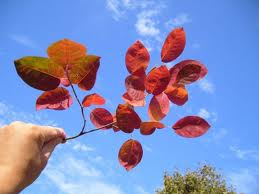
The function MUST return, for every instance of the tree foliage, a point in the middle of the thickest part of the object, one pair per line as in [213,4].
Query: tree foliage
[205,180]
[69,64]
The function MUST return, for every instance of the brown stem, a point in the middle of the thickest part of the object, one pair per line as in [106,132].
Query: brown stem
[78,101]
[82,132]
[89,131]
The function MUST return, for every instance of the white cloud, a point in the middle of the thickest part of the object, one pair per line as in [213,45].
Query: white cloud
[204,113]
[244,181]
[116,8]
[71,175]
[82,147]
[140,190]
[245,154]
[23,40]
[178,21]
[146,24]
[207,86]
[9,114]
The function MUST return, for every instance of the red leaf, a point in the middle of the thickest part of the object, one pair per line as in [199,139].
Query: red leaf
[84,72]
[57,99]
[157,80]
[135,94]
[93,99]
[101,117]
[191,126]
[137,58]
[187,71]
[66,52]
[177,94]
[64,81]
[138,101]
[147,128]
[130,154]
[158,107]
[40,73]
[127,118]
[173,45]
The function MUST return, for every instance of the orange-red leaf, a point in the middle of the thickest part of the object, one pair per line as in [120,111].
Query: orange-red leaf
[135,94]
[93,99]
[137,58]
[158,107]
[130,154]
[40,73]
[177,94]
[138,100]
[84,72]
[101,117]
[173,45]
[191,126]
[66,52]
[147,128]
[157,80]
[187,71]
[127,118]
[57,99]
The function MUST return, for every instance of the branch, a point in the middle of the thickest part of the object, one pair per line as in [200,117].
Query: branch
[78,101]
[82,132]
[89,131]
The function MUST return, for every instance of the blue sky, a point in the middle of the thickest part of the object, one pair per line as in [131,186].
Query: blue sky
[223,34]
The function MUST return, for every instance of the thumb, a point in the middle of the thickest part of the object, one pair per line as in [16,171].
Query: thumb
[48,148]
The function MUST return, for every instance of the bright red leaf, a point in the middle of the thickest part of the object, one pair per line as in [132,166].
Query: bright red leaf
[127,118]
[57,99]
[93,99]
[187,71]
[173,45]
[66,52]
[157,80]
[84,72]
[130,154]
[137,58]
[158,107]
[40,73]
[177,94]
[191,126]
[101,117]
[147,128]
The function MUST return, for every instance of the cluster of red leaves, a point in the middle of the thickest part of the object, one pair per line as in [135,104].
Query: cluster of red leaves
[69,64]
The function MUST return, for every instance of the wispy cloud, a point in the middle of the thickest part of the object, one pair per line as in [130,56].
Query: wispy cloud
[244,181]
[178,21]
[70,174]
[8,114]
[146,25]
[23,40]
[140,190]
[204,113]
[245,154]
[78,146]
[207,86]
[116,8]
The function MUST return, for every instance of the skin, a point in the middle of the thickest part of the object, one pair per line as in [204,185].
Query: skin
[24,152]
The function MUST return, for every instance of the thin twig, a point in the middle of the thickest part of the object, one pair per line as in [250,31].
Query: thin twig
[82,132]
[78,101]
[89,131]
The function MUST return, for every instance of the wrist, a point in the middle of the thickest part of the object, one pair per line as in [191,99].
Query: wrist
[8,182]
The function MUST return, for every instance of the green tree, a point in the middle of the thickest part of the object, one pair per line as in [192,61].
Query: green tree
[205,180]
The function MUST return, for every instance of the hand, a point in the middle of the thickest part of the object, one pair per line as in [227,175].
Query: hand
[24,153]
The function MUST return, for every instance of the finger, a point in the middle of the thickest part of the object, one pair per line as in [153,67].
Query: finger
[48,148]
[50,133]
